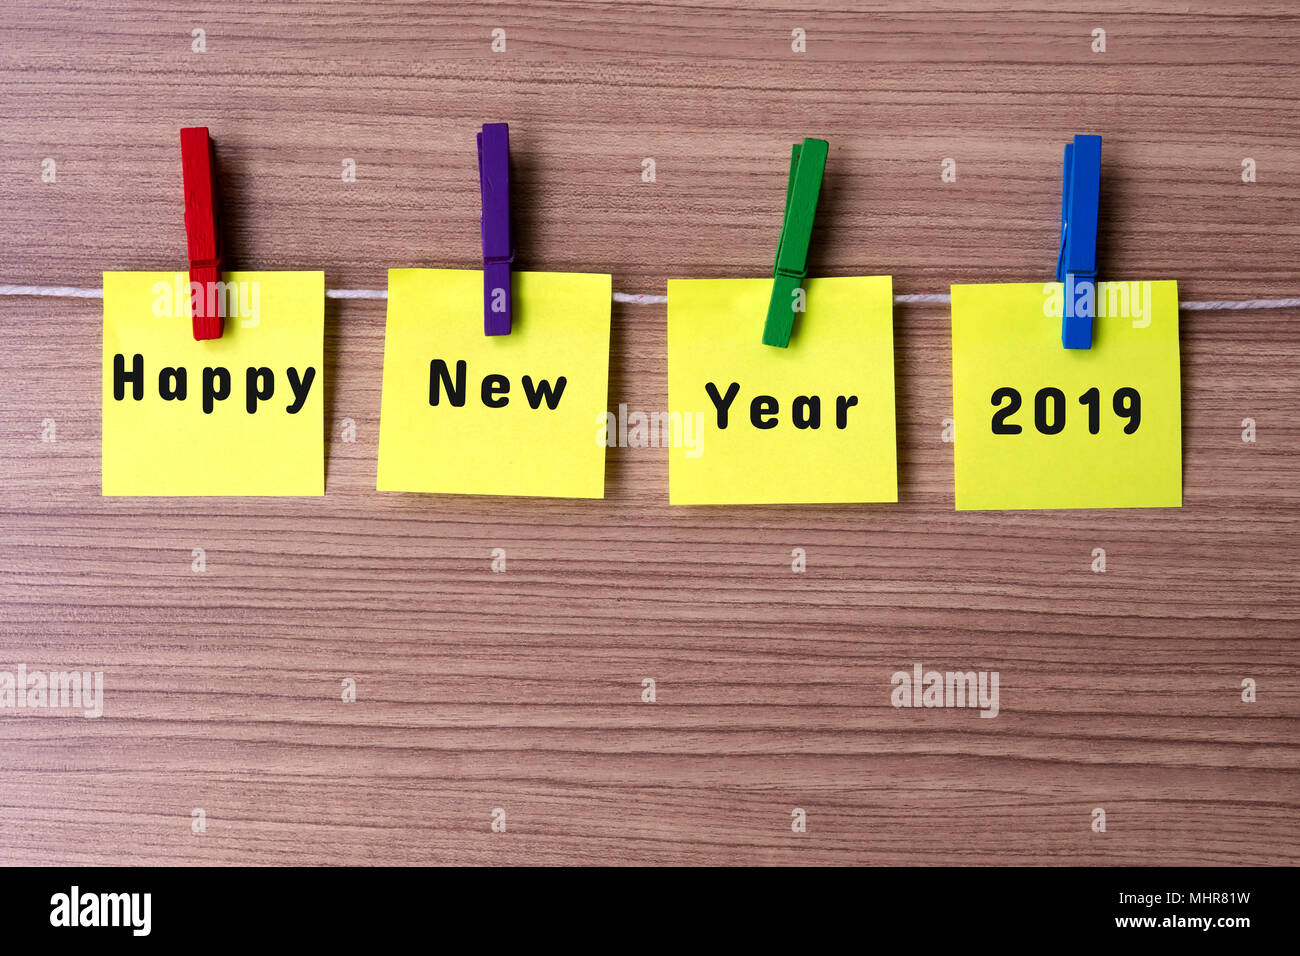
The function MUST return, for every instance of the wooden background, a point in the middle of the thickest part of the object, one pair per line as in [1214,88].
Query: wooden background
[523,690]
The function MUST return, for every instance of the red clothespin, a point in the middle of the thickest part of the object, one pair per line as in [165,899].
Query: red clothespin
[201,234]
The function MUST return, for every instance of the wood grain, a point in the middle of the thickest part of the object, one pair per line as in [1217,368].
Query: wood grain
[522,690]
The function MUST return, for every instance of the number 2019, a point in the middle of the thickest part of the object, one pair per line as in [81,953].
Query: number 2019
[1049,409]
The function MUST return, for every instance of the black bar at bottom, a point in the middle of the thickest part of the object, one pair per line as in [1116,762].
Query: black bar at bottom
[630,907]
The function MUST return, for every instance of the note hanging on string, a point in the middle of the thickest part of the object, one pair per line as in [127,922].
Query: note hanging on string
[474,414]
[754,424]
[1041,426]
[239,415]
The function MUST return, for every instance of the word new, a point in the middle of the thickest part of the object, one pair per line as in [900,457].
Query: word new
[102,909]
[495,390]
[951,689]
[805,410]
[1049,409]
[173,384]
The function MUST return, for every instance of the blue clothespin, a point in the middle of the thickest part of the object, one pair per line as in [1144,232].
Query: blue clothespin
[1077,260]
[498,245]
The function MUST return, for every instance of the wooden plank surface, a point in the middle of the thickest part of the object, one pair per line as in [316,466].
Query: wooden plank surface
[522,690]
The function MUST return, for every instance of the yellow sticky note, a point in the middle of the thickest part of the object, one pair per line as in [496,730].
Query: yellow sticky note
[1042,426]
[238,415]
[474,414]
[812,423]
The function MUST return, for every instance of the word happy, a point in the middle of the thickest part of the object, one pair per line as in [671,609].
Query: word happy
[215,384]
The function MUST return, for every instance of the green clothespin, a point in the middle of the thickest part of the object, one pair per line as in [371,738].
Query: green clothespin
[807,163]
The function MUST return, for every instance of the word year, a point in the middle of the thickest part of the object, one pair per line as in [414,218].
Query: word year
[805,410]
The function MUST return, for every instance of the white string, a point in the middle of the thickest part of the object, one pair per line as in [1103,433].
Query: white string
[61,291]
[636,298]
[924,297]
[627,298]
[356,293]
[1223,304]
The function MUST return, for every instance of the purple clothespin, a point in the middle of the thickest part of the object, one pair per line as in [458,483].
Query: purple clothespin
[498,249]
